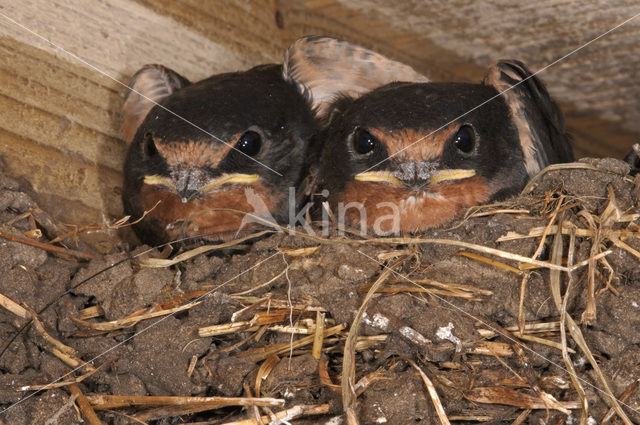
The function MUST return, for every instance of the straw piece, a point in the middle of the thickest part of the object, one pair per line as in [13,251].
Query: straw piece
[265,369]
[576,333]
[467,245]
[300,252]
[14,307]
[442,415]
[494,263]
[264,352]
[348,364]
[325,379]
[104,401]
[132,320]
[286,415]
[64,252]
[90,312]
[161,262]
[316,351]
[511,397]
[65,353]
[528,328]
[84,405]
[623,398]
[536,232]
[61,384]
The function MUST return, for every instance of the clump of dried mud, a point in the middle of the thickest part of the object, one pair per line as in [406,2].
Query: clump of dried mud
[234,324]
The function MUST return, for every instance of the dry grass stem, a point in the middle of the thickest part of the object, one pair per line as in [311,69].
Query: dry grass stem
[61,384]
[325,379]
[497,211]
[61,251]
[521,313]
[161,262]
[262,353]
[623,398]
[448,286]
[512,397]
[14,307]
[63,352]
[489,261]
[286,415]
[104,401]
[133,319]
[529,328]
[265,369]
[442,415]
[576,333]
[348,366]
[316,351]
[487,348]
[84,405]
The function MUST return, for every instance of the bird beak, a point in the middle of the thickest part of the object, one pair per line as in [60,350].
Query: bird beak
[446,175]
[230,178]
[435,177]
[379,177]
[188,183]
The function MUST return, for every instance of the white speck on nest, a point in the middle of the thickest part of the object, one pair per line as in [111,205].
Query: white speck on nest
[379,321]
[413,335]
[445,333]
[591,421]
[635,304]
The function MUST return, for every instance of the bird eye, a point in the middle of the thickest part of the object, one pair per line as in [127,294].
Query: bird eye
[249,143]
[465,139]
[364,142]
[149,148]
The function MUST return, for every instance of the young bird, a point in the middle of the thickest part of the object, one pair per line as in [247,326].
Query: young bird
[237,141]
[232,141]
[408,155]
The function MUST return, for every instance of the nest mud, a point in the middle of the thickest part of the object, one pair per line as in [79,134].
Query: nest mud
[523,312]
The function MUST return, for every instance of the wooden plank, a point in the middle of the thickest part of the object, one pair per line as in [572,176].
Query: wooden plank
[117,36]
[58,130]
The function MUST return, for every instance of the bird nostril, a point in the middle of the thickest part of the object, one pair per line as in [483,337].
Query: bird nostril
[415,172]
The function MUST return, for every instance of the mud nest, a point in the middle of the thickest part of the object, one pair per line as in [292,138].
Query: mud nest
[523,312]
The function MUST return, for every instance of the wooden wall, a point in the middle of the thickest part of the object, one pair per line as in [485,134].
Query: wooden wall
[60,117]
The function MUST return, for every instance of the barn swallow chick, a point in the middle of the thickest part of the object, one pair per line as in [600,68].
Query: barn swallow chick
[410,155]
[232,141]
[633,159]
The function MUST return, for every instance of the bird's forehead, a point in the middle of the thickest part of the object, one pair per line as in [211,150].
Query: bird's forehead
[419,144]
[429,105]
[193,153]
[224,105]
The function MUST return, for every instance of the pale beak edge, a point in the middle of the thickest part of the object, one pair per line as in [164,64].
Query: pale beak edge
[223,179]
[439,176]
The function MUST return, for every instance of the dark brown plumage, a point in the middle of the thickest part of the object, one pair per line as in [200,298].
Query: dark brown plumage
[406,156]
[233,141]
